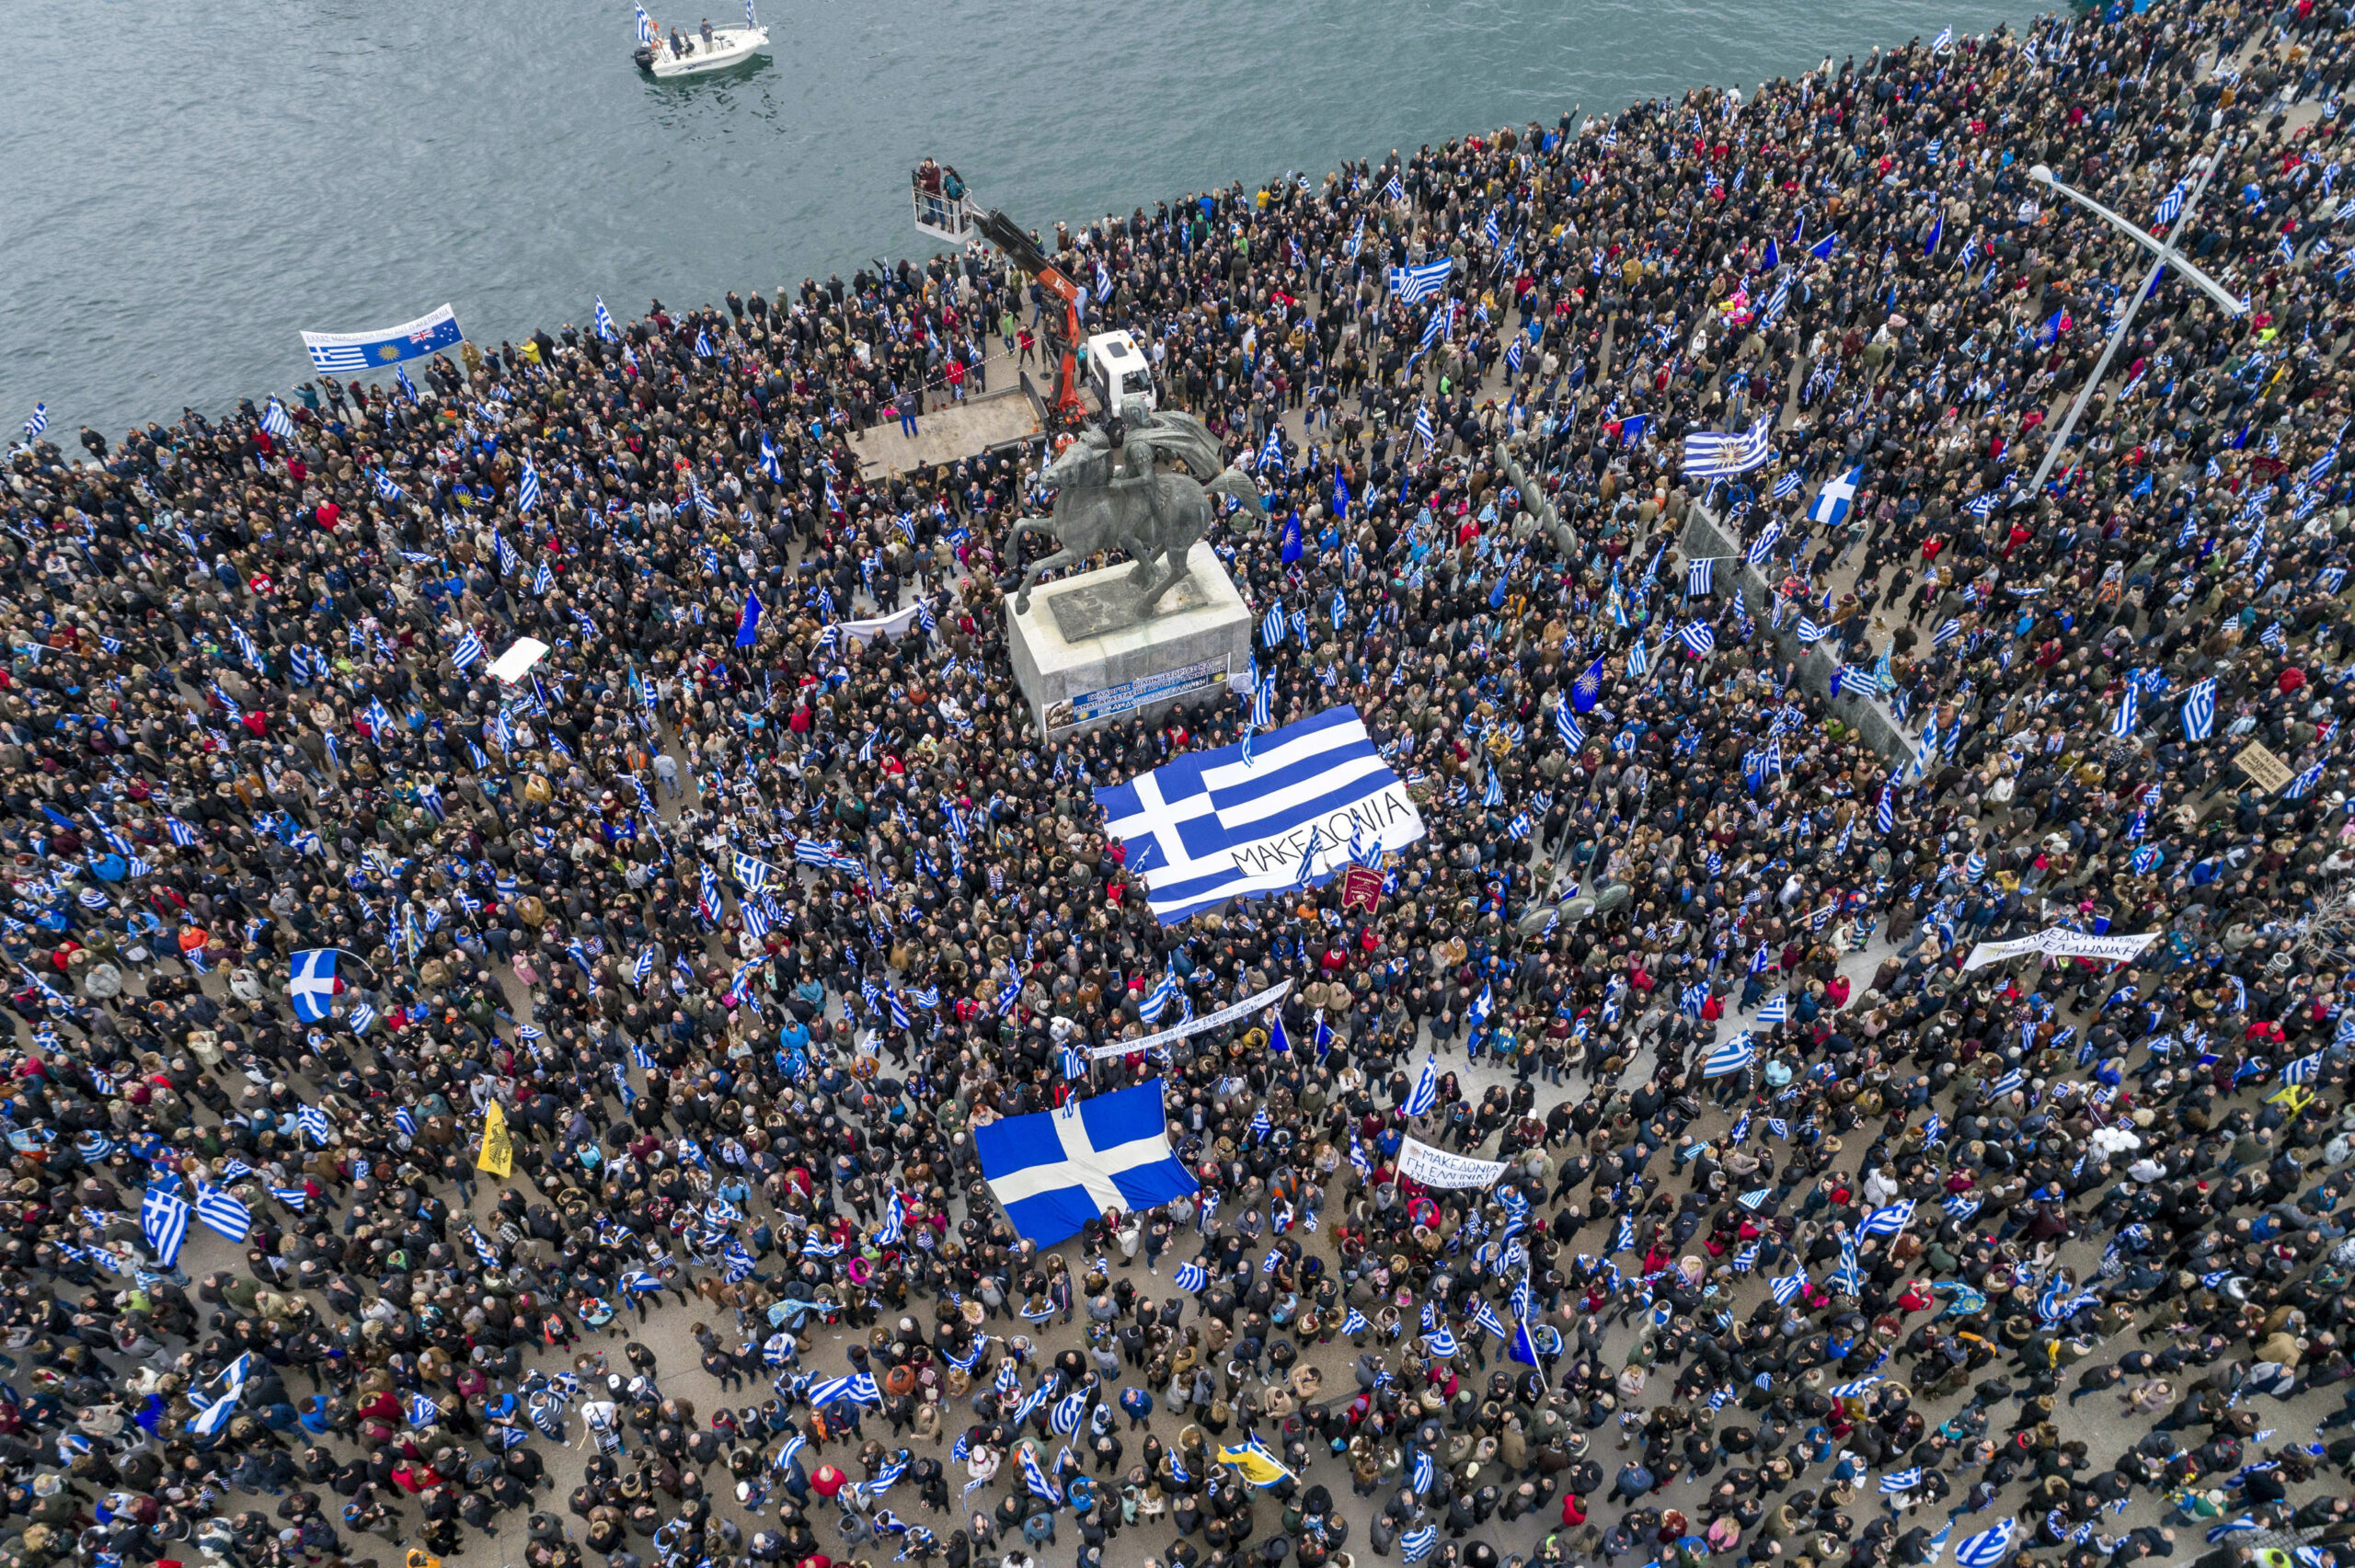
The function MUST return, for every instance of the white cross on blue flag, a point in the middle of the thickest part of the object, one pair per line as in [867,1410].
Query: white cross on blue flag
[1054,1170]
[310,983]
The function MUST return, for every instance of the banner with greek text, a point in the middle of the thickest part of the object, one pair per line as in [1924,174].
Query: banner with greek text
[1437,1168]
[2059,942]
[1227,1015]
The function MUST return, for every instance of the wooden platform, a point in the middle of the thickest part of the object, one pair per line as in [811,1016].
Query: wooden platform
[948,434]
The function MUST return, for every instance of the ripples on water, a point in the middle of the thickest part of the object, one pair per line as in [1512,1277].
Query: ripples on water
[179,204]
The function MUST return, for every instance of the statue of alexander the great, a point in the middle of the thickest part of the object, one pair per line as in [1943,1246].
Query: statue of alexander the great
[1139,482]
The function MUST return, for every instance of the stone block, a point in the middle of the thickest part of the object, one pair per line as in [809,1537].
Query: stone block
[1080,663]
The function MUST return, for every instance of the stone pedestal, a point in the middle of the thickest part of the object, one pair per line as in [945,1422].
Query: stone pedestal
[1082,660]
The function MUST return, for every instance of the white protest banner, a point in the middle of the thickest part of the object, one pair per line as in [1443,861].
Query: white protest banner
[2059,942]
[510,666]
[1437,1168]
[1227,1015]
[1988,953]
[893,625]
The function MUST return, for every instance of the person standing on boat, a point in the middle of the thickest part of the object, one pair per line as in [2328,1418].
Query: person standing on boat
[707,32]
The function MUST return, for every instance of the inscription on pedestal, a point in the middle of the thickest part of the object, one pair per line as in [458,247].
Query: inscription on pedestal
[1101,607]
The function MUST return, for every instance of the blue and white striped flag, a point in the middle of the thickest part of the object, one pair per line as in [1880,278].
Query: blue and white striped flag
[1888,1221]
[1037,1479]
[219,1212]
[212,1412]
[1709,454]
[1410,285]
[1732,1056]
[2199,711]
[163,1222]
[1425,1091]
[1989,1547]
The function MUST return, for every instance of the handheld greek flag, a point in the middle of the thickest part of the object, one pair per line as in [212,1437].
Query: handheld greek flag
[163,1222]
[213,1414]
[311,983]
[1425,1091]
[2121,724]
[1989,1547]
[1730,1056]
[221,1213]
[1831,503]
[2199,711]
[1410,285]
[859,1388]
[1037,1479]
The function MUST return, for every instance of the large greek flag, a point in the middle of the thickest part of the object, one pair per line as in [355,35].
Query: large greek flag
[1709,455]
[1054,1170]
[1214,826]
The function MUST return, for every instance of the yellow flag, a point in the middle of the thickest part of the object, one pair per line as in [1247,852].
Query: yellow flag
[2297,1097]
[1258,1465]
[497,1154]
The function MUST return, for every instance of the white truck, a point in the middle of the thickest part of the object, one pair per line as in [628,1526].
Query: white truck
[1117,369]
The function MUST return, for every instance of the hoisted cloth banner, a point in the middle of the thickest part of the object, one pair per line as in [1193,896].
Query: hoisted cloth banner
[2061,943]
[350,353]
[1419,1162]
[1227,1015]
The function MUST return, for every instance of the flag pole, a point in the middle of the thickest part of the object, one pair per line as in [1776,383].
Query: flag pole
[358,960]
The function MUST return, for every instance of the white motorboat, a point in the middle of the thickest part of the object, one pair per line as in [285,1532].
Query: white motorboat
[725,48]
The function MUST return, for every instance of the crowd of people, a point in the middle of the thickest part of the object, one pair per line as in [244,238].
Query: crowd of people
[472,1025]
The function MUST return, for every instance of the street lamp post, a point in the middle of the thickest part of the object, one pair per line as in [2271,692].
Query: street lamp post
[2164,255]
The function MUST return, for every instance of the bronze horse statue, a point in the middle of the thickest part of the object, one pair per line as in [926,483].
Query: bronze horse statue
[1093,513]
